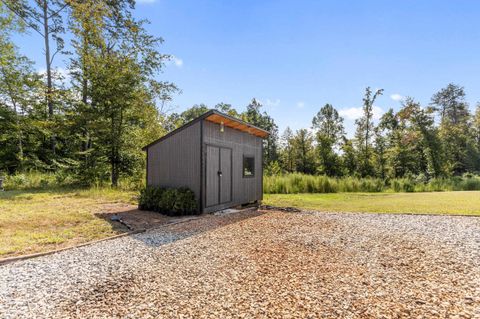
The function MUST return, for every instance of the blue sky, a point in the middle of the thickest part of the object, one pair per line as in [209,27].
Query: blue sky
[295,56]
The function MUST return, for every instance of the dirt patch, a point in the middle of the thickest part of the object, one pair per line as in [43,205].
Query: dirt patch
[129,217]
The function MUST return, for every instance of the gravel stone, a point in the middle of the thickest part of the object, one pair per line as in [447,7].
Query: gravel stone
[261,265]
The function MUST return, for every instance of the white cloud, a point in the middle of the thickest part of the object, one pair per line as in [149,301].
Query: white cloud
[300,104]
[173,60]
[354,113]
[272,103]
[396,97]
[178,62]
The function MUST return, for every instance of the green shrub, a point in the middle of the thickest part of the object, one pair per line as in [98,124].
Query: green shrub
[185,202]
[470,184]
[149,197]
[168,201]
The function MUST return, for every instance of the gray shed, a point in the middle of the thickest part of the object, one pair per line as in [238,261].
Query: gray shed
[215,155]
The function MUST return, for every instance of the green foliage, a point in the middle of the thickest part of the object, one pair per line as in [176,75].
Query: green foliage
[255,116]
[301,183]
[149,197]
[185,202]
[328,126]
[454,127]
[303,150]
[273,168]
[88,129]
[364,134]
[36,180]
[168,201]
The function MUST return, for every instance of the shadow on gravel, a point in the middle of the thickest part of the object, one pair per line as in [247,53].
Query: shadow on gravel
[124,217]
[190,226]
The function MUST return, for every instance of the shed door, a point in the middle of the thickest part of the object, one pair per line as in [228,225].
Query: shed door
[218,176]
[226,175]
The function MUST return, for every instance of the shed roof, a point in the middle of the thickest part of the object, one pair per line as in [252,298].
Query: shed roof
[218,117]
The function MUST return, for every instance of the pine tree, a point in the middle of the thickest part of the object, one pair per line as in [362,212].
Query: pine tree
[348,158]
[364,133]
[287,156]
[454,132]
[329,130]
[302,144]
[255,116]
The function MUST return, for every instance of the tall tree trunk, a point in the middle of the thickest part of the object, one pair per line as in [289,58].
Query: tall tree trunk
[114,173]
[114,150]
[86,135]
[49,70]
[19,132]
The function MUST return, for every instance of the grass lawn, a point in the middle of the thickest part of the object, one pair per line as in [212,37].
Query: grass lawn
[464,203]
[35,221]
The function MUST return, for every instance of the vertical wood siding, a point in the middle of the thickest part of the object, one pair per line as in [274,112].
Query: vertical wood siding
[244,189]
[212,180]
[175,161]
[226,178]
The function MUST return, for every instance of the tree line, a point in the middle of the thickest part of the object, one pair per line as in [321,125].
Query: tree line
[91,121]
[441,139]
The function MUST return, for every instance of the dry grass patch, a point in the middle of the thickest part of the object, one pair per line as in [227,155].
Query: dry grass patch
[36,221]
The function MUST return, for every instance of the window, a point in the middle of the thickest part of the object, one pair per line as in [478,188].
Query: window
[248,166]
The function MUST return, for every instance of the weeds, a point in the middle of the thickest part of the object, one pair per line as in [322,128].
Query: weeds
[300,183]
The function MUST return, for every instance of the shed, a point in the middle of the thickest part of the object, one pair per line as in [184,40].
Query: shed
[217,156]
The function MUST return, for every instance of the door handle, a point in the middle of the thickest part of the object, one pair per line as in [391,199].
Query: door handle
[219,173]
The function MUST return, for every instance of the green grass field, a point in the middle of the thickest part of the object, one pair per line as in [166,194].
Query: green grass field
[454,203]
[36,221]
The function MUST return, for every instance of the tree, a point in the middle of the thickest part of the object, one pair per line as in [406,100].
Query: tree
[348,158]
[403,152]
[117,62]
[364,133]
[328,128]
[264,121]
[176,120]
[476,127]
[380,150]
[423,122]
[287,156]
[19,86]
[454,131]
[450,103]
[302,145]
[227,109]
[476,138]
[45,18]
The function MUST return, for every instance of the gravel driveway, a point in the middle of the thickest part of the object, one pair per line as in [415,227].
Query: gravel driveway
[252,265]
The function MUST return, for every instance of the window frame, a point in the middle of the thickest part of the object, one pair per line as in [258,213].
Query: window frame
[243,166]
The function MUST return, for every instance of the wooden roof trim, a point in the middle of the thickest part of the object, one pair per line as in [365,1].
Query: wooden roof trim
[237,125]
[261,132]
